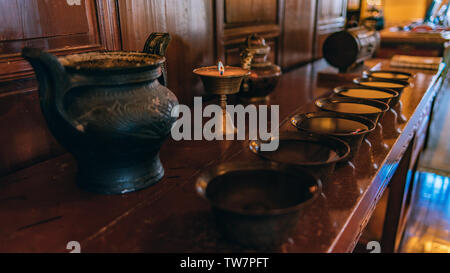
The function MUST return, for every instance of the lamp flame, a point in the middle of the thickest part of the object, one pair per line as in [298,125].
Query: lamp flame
[221,68]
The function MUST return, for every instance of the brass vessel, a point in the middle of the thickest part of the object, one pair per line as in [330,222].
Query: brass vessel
[264,75]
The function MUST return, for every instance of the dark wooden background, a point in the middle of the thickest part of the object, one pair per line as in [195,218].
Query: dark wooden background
[203,31]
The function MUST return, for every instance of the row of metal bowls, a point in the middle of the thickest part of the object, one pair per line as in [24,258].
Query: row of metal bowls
[259,204]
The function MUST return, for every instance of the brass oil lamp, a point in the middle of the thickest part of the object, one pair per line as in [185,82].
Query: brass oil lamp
[222,80]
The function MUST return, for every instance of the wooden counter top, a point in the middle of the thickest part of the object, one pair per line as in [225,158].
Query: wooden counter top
[42,209]
[414,37]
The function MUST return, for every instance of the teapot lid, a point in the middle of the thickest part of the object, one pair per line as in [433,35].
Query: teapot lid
[111,61]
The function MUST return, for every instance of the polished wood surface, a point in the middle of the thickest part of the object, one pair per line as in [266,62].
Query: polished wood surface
[46,210]
[426,228]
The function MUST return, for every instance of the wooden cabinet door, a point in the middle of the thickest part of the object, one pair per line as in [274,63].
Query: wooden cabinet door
[62,27]
[331,16]
[331,12]
[298,32]
[237,19]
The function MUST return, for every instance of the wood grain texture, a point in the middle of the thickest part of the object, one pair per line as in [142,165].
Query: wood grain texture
[331,11]
[331,16]
[298,32]
[190,23]
[236,20]
[108,17]
[41,19]
[251,11]
[55,26]
[10,22]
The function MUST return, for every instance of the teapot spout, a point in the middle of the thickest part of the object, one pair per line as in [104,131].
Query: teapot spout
[53,84]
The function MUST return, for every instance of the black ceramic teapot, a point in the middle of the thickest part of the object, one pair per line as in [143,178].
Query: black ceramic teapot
[110,110]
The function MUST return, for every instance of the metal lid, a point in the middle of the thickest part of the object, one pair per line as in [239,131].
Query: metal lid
[111,61]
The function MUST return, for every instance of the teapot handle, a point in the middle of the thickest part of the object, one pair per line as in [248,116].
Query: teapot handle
[157,44]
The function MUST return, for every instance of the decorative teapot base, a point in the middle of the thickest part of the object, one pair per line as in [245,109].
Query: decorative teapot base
[120,180]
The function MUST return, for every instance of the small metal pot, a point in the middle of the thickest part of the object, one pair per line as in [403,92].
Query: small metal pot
[264,75]
[258,205]
[318,154]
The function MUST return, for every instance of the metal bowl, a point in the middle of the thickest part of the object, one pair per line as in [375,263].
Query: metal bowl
[258,205]
[371,109]
[381,83]
[319,154]
[388,75]
[350,128]
[387,96]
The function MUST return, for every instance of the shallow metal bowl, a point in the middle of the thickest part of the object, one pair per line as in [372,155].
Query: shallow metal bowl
[319,154]
[350,128]
[329,104]
[258,205]
[395,85]
[391,97]
[388,75]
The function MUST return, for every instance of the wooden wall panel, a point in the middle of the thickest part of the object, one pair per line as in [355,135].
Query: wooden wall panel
[60,28]
[190,23]
[10,23]
[52,25]
[24,138]
[41,19]
[298,32]
[250,11]
[331,16]
[236,20]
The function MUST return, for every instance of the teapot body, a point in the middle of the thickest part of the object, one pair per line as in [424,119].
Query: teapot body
[123,126]
[110,111]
